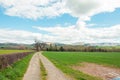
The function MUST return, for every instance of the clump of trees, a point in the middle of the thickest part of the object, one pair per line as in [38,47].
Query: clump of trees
[81,49]
[39,45]
[54,47]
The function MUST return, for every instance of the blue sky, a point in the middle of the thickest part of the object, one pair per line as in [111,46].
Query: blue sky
[106,19]
[27,24]
[59,21]
[101,20]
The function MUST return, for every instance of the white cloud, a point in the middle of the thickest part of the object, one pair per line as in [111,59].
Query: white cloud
[80,33]
[71,34]
[20,36]
[83,9]
[34,9]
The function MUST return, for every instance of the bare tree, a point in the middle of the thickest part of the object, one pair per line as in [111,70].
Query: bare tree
[42,45]
[36,45]
[39,45]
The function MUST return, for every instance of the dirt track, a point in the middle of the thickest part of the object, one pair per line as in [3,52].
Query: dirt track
[53,72]
[33,71]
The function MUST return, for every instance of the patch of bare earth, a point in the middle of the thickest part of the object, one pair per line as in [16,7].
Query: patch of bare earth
[105,73]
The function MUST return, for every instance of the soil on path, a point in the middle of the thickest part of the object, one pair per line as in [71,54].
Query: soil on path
[106,73]
[33,71]
[53,73]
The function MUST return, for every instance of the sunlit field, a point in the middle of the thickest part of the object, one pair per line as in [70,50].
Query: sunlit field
[13,51]
[64,60]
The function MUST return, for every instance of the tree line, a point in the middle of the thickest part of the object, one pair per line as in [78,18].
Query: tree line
[41,46]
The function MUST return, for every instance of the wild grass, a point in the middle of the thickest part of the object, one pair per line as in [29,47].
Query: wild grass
[64,60]
[43,71]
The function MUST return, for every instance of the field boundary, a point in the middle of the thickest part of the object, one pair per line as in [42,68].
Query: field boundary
[8,59]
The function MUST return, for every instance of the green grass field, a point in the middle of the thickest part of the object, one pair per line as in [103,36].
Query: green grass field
[12,51]
[16,70]
[64,60]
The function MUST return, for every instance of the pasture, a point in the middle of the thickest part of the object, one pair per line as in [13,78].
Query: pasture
[2,51]
[64,60]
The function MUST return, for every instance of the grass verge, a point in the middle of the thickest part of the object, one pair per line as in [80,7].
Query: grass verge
[43,71]
[15,71]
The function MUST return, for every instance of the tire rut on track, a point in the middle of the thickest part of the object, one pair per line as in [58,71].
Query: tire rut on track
[53,72]
[33,71]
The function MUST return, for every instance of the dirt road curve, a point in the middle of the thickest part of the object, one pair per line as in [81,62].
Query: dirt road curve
[33,71]
[53,72]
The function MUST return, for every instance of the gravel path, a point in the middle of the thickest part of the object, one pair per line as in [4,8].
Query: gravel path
[33,71]
[53,73]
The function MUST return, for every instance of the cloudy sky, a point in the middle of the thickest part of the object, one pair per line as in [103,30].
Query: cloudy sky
[63,21]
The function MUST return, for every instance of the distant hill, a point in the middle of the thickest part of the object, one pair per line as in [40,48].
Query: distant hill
[73,45]
[58,44]
[97,44]
[15,46]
